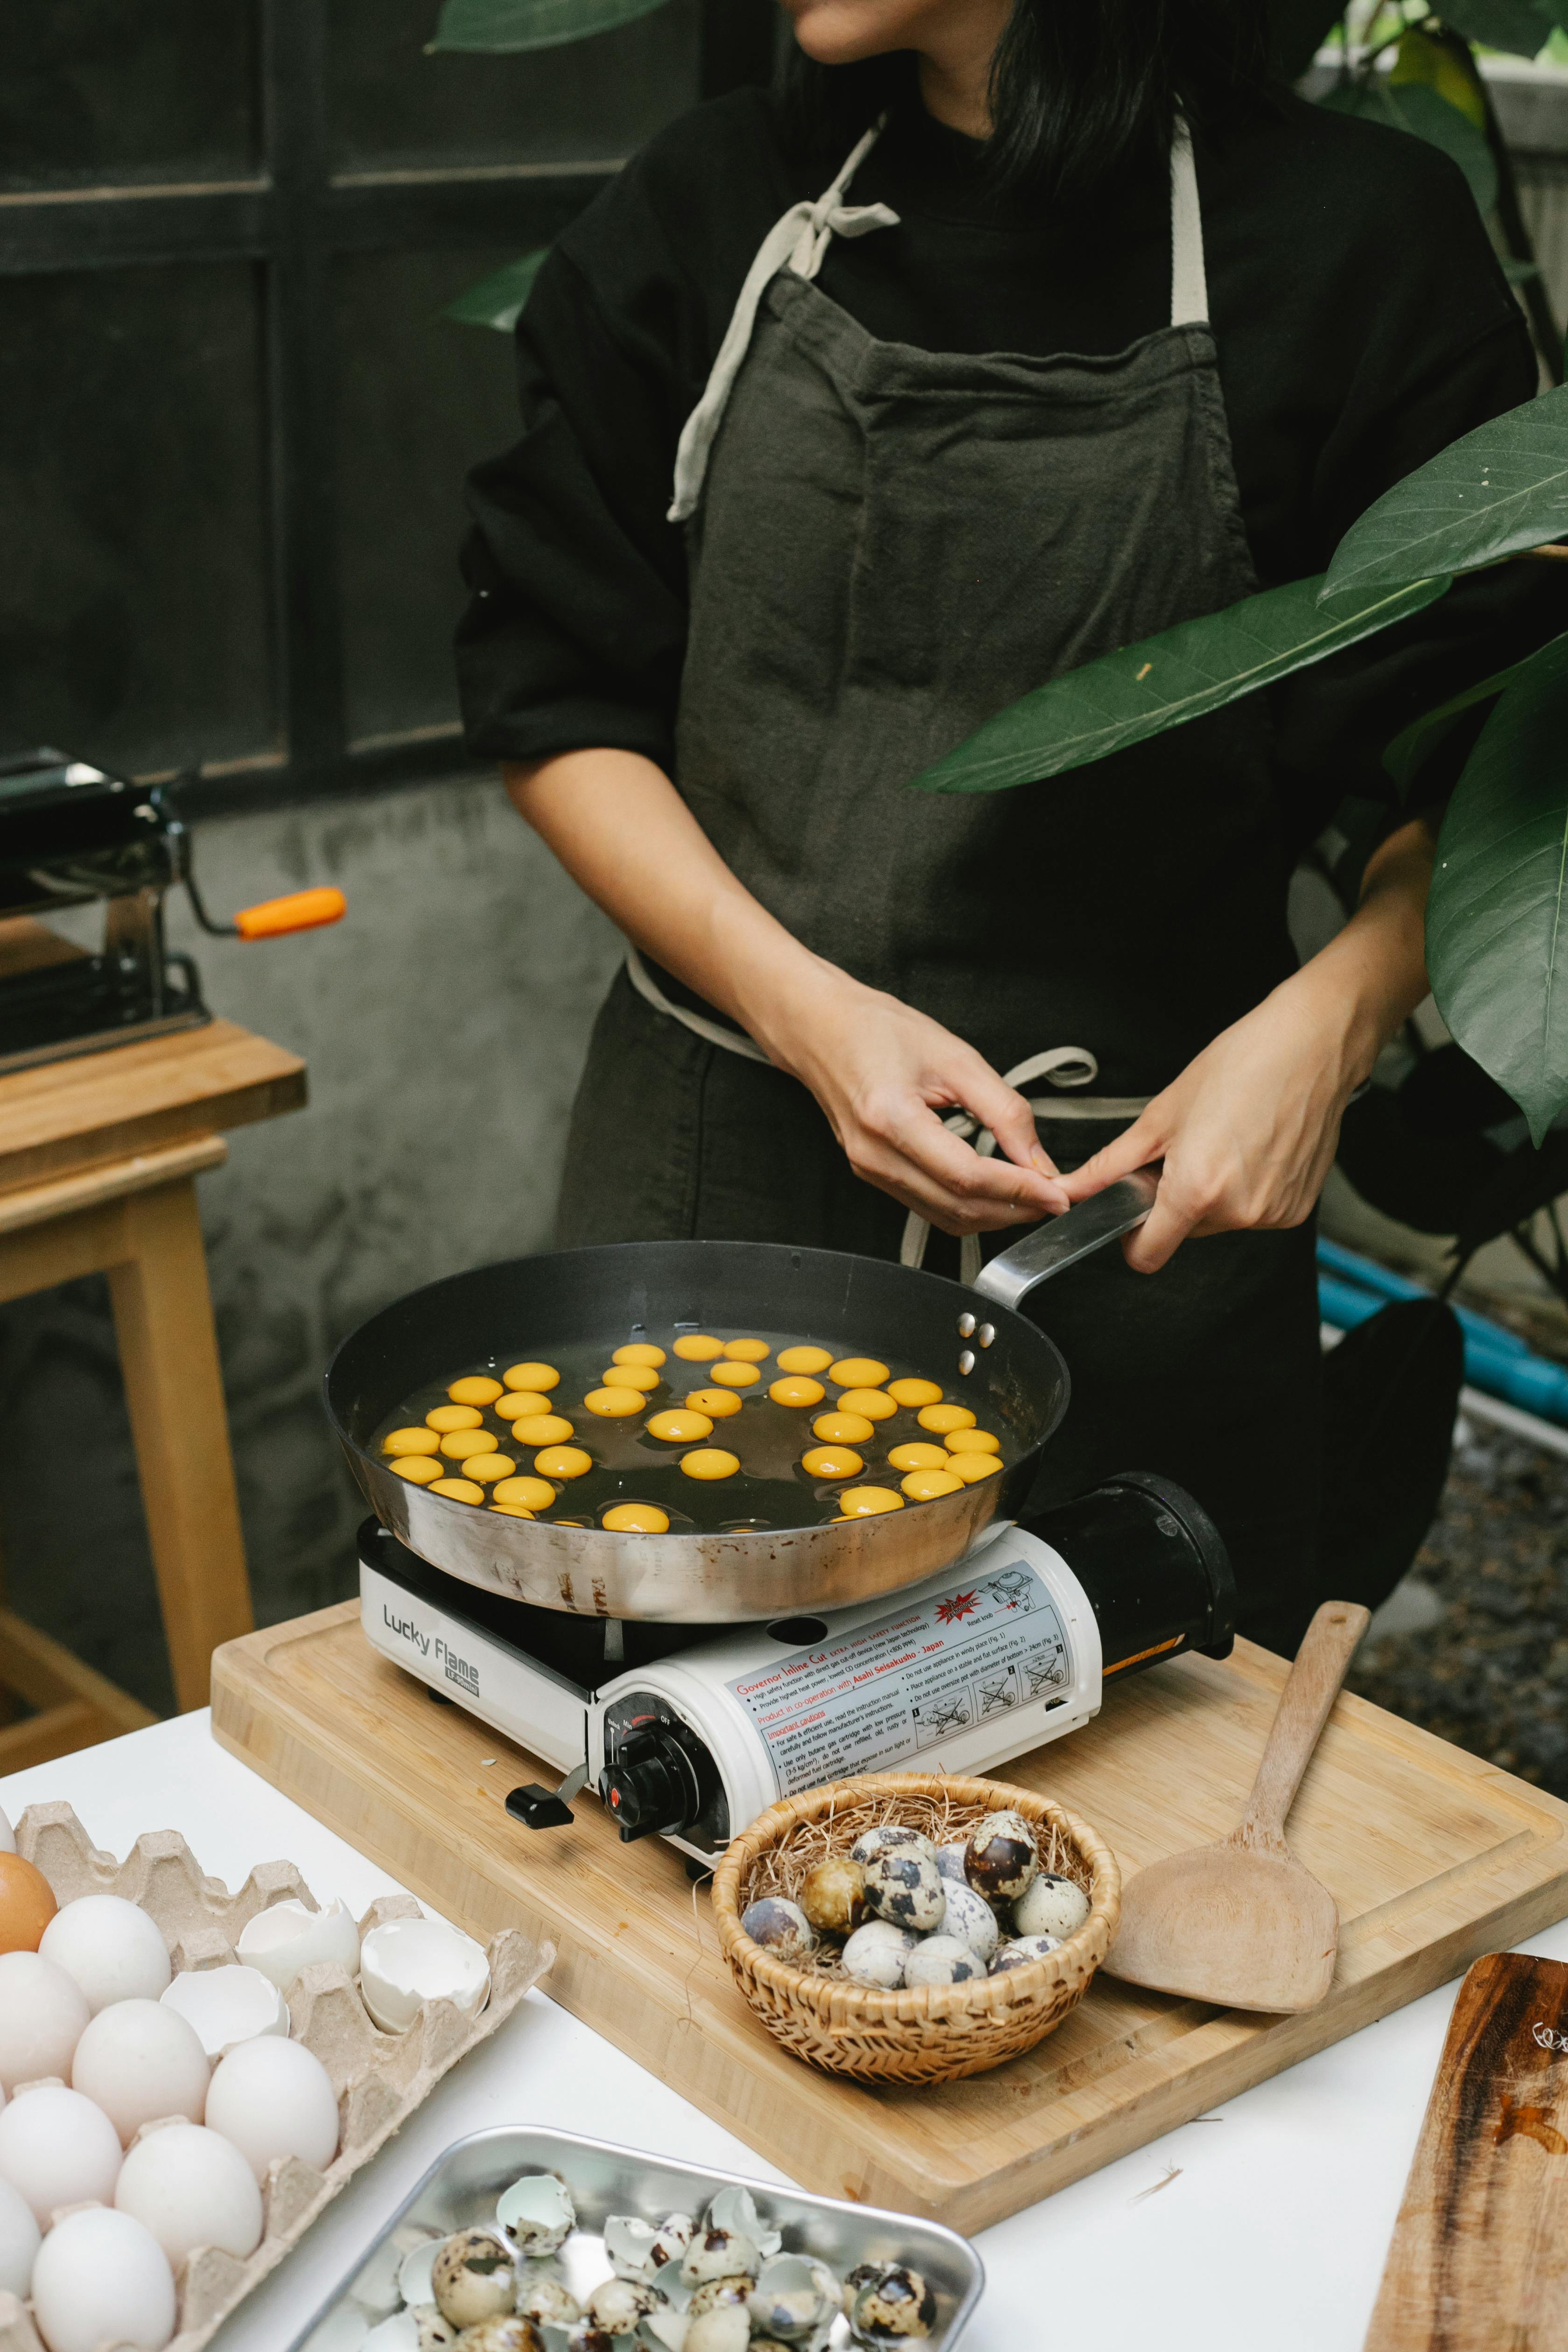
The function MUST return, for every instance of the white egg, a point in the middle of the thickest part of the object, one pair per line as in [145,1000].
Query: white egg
[407,1962]
[113,1950]
[275,2098]
[43,2016]
[20,2235]
[191,2188]
[227,2005]
[8,1836]
[57,2149]
[288,1936]
[141,2060]
[101,2278]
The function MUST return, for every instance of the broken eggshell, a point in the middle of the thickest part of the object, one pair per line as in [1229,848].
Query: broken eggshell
[473,2277]
[507,2332]
[618,2303]
[226,2005]
[651,2251]
[726,2329]
[415,2284]
[288,1936]
[550,2300]
[536,2213]
[795,2299]
[718,2253]
[736,2208]
[664,2330]
[404,1963]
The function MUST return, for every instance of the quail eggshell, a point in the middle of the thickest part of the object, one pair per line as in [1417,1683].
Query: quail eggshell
[889,1837]
[667,2330]
[404,1963]
[102,2278]
[875,1953]
[57,2149]
[649,2250]
[400,2333]
[43,2016]
[1021,1951]
[19,2236]
[907,1888]
[718,2253]
[736,2208]
[26,1904]
[1000,1858]
[949,1859]
[8,1836]
[273,2098]
[970,1918]
[942,1960]
[191,2188]
[345,2329]
[223,2006]
[618,2303]
[474,2277]
[114,1949]
[542,2297]
[536,2214]
[1050,1905]
[793,2299]
[288,1936]
[726,2329]
[893,2306]
[780,1927]
[139,2061]
[508,2331]
[833,1895]
[414,2280]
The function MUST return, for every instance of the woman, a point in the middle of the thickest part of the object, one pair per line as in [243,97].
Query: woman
[850,416]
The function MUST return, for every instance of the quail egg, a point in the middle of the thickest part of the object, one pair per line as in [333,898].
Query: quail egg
[727,2328]
[950,1860]
[942,1960]
[716,2253]
[906,1887]
[885,1837]
[585,2337]
[794,2297]
[736,2208]
[547,2299]
[714,2294]
[875,1953]
[890,2304]
[664,2330]
[1021,1951]
[780,1927]
[833,1895]
[473,2278]
[643,2250]
[1050,1905]
[432,2332]
[508,2333]
[1000,1860]
[970,1919]
[618,2304]
[536,2213]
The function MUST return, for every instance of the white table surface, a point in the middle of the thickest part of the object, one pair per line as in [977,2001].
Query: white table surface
[1270,2227]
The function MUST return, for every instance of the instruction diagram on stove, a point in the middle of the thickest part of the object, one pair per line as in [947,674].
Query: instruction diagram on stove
[870,1699]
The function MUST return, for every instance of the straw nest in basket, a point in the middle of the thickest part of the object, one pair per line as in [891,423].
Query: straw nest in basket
[927,2033]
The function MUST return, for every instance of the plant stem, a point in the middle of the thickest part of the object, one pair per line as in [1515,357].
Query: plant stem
[1548,334]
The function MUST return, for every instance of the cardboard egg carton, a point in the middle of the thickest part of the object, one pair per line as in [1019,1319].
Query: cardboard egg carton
[380,2078]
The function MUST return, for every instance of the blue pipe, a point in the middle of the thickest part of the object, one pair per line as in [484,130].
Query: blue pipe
[1523,1378]
[1369,1276]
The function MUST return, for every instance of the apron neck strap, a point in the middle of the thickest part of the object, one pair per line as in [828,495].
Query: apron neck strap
[1189,283]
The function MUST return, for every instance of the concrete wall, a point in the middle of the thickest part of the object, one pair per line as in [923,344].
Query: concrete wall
[444,1024]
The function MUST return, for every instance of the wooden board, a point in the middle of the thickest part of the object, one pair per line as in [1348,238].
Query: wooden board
[1433,1855]
[1479,2257]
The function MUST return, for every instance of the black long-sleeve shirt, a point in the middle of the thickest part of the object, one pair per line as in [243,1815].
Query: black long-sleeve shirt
[1361,323]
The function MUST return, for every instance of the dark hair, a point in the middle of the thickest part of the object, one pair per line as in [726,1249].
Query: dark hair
[1079,90]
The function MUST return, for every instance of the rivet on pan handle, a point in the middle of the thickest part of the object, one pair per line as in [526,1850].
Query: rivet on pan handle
[1051,1247]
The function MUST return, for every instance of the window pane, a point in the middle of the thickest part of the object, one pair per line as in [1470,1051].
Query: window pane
[420,399]
[593,99]
[133,602]
[93,91]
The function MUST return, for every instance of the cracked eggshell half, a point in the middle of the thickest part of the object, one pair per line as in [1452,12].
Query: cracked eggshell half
[536,2214]
[404,1963]
[288,1936]
[225,2006]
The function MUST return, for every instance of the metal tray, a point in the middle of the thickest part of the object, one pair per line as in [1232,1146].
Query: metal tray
[462,2187]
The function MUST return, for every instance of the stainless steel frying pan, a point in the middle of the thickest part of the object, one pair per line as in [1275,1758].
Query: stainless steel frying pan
[973,1342]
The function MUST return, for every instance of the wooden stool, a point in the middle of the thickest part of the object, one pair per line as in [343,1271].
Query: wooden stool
[98,1157]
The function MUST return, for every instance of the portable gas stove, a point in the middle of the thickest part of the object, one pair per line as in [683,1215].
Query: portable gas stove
[689,1732]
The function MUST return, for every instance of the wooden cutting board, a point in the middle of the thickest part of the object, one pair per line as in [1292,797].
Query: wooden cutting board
[1479,2257]
[1433,1856]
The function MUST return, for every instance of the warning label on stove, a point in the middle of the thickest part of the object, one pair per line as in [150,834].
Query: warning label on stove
[870,1699]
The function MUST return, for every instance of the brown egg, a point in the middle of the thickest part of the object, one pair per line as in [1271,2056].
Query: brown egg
[26,1905]
[833,1895]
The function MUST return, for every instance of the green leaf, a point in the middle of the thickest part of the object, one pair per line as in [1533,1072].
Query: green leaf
[1517,26]
[1197,666]
[508,26]
[498,301]
[1411,749]
[1518,273]
[1501,488]
[1497,922]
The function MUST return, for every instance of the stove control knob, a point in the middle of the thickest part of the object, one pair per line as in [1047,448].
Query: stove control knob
[652,1785]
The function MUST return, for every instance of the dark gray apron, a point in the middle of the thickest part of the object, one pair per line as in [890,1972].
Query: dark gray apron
[886,546]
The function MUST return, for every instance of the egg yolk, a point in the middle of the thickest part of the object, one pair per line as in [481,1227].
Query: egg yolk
[914,1391]
[970,1467]
[972,1441]
[459,1442]
[489,1467]
[842,1428]
[696,1348]
[734,1375]
[614,1402]
[946,1417]
[410,1441]
[858,1372]
[639,1351]
[875,1404]
[866,1502]
[474,1389]
[710,1462]
[533,1494]
[531,1376]
[918,1457]
[798,1391]
[832,1461]
[421,1468]
[804,1359]
[679,1428]
[925,1485]
[510,1511]
[563,1462]
[542,1429]
[636,1518]
[717,1403]
[747,1351]
[459,1490]
[518,1403]
[641,1377]
[453,1416]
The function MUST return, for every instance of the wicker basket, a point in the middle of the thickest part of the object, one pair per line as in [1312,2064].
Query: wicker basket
[925,2033]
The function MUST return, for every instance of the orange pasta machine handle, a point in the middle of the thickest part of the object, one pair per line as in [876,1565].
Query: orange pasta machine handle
[302,910]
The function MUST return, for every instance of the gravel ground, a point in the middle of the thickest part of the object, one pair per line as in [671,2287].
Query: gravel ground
[1474,1644]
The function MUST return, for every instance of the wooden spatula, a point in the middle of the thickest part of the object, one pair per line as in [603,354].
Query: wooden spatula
[1242,1923]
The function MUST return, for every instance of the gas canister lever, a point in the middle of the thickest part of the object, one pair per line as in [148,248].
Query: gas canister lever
[539,1808]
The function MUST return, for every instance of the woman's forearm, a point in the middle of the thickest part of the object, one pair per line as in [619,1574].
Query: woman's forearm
[1372,976]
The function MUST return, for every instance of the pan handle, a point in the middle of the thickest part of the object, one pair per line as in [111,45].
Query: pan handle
[1060,1243]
